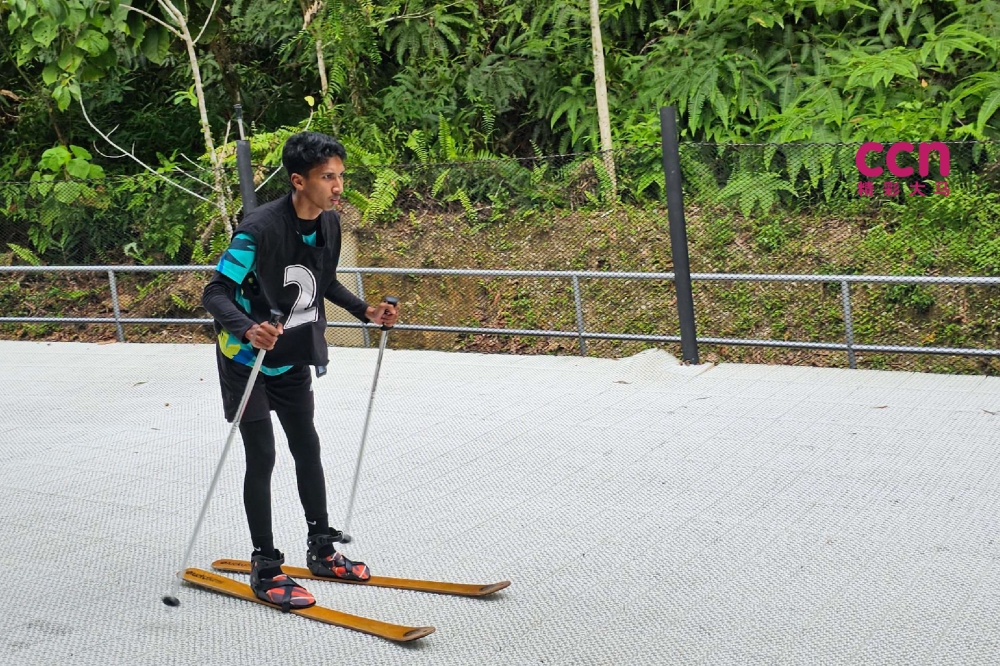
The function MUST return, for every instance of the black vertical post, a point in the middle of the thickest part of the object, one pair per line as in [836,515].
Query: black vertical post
[678,232]
[248,192]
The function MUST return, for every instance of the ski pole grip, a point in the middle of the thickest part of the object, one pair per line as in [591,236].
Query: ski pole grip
[393,301]
[276,317]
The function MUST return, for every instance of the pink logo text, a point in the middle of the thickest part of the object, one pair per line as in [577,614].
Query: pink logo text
[923,157]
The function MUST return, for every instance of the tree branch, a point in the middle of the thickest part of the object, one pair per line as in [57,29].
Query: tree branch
[24,76]
[103,154]
[193,163]
[152,18]
[141,163]
[415,16]
[175,14]
[207,21]
[280,167]
[180,170]
[132,155]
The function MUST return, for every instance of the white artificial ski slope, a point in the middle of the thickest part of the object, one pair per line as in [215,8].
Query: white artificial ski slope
[646,512]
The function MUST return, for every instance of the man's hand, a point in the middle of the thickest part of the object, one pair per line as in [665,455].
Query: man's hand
[263,336]
[384,314]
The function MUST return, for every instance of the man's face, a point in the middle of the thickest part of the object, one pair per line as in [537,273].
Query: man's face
[324,184]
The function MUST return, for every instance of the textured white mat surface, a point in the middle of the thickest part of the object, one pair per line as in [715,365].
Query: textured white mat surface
[646,513]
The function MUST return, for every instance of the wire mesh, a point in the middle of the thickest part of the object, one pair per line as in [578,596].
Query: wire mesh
[749,208]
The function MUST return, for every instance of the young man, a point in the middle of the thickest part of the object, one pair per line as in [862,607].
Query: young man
[284,255]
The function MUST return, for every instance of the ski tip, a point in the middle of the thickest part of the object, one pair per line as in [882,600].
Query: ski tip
[495,587]
[415,633]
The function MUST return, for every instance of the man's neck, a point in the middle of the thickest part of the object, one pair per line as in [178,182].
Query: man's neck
[305,209]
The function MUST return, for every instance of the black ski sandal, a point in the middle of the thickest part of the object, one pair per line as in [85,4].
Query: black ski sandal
[279,589]
[334,565]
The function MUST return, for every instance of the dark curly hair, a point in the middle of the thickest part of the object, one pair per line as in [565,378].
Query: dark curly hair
[306,150]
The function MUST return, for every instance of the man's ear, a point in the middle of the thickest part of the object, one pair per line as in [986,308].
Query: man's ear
[297,181]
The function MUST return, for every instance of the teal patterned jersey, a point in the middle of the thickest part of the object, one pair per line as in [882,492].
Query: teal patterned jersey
[238,261]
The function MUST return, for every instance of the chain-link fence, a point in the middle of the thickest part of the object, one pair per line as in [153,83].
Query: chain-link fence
[136,220]
[802,209]
[549,213]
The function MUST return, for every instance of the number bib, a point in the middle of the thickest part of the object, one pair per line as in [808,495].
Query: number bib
[292,277]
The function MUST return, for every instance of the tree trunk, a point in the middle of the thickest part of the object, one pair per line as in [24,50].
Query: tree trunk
[308,14]
[223,56]
[55,124]
[206,128]
[323,81]
[600,85]
[221,190]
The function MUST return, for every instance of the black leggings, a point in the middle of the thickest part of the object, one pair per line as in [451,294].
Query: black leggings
[258,441]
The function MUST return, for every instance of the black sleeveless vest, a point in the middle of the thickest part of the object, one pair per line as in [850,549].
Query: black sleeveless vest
[292,277]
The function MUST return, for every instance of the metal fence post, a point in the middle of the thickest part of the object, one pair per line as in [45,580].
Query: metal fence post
[678,232]
[361,295]
[115,306]
[248,192]
[845,297]
[579,314]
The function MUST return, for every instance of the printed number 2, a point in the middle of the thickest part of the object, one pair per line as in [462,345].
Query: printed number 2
[303,312]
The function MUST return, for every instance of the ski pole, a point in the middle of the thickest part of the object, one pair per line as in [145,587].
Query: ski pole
[171,599]
[345,537]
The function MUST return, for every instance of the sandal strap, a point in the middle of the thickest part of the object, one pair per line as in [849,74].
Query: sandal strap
[271,583]
[270,562]
[286,584]
[341,560]
[321,540]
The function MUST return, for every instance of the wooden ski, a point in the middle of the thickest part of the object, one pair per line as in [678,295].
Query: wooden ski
[392,632]
[456,589]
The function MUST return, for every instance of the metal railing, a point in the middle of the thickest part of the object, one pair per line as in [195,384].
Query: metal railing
[581,334]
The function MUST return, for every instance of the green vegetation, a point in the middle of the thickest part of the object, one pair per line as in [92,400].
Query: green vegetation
[508,78]
[448,111]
